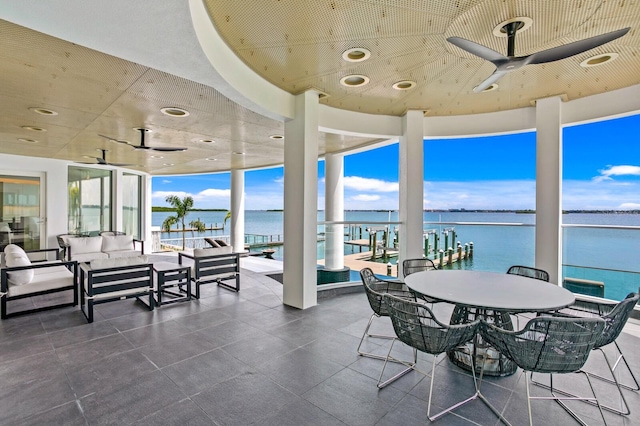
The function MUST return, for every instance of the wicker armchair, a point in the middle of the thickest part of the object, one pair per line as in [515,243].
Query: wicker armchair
[416,325]
[409,266]
[549,345]
[375,289]
[527,271]
[615,317]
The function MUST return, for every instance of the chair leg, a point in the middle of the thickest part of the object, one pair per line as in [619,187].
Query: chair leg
[375,336]
[559,399]
[625,410]
[612,369]
[388,358]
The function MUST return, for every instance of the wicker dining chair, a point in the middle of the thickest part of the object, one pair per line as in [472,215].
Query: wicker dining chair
[410,266]
[375,289]
[550,345]
[416,325]
[528,271]
[615,317]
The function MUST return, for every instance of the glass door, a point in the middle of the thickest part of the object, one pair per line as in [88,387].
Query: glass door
[22,217]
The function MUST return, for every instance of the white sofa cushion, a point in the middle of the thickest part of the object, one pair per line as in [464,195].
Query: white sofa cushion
[117,242]
[18,278]
[57,277]
[14,248]
[82,245]
[88,257]
[119,261]
[212,251]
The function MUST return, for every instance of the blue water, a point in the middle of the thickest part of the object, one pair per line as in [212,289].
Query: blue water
[495,247]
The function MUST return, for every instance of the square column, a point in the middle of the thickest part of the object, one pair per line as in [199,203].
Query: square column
[411,182]
[301,203]
[237,210]
[549,187]
[334,211]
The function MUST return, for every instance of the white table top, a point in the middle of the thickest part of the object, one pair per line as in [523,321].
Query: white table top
[490,290]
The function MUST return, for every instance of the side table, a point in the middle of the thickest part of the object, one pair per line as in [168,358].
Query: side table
[170,275]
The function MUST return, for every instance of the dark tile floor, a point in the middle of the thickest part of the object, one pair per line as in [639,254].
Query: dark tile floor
[240,359]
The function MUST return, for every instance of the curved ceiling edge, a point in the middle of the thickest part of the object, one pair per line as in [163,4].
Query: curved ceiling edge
[264,97]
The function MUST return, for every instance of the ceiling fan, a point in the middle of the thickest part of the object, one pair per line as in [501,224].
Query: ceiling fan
[103,160]
[506,64]
[143,146]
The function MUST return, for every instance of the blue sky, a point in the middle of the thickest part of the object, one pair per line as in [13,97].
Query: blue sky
[601,170]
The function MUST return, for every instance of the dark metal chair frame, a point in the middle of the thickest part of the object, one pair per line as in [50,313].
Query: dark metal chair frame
[375,289]
[4,284]
[410,266]
[216,268]
[550,345]
[105,285]
[416,325]
[528,271]
[615,317]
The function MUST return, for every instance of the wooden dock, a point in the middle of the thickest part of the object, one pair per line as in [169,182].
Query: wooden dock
[359,261]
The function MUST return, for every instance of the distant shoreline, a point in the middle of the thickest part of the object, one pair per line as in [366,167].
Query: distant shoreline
[525,211]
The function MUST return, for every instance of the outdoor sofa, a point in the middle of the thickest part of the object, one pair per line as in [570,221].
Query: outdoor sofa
[86,249]
[213,265]
[35,273]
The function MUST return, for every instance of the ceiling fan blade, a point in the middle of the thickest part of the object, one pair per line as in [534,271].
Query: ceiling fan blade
[478,50]
[113,139]
[161,149]
[497,75]
[571,49]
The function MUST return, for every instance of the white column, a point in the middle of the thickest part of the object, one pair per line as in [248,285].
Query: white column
[117,200]
[334,211]
[411,177]
[237,210]
[301,203]
[549,187]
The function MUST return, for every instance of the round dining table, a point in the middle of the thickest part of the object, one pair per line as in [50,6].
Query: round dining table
[490,290]
[492,296]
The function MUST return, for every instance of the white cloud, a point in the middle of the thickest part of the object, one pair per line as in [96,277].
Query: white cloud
[166,181]
[367,184]
[617,171]
[211,192]
[163,194]
[629,206]
[365,197]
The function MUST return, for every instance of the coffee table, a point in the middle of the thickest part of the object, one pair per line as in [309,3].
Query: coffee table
[169,276]
[492,296]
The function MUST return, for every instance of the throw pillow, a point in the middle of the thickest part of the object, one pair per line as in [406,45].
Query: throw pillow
[18,277]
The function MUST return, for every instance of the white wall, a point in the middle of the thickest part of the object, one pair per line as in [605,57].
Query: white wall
[55,184]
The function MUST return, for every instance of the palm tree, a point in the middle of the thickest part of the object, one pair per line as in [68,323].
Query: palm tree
[197,225]
[182,208]
[227,217]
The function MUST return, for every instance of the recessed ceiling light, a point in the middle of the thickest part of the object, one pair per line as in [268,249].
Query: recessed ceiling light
[206,140]
[146,130]
[34,128]
[491,88]
[356,54]
[43,111]
[174,112]
[157,156]
[168,164]
[404,85]
[596,60]
[354,80]
[25,140]
[211,159]
[238,152]
[276,137]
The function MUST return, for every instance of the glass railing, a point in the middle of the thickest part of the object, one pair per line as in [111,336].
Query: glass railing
[601,260]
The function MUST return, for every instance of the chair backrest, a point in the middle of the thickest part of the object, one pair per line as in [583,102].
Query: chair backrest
[547,344]
[416,325]
[376,288]
[616,319]
[527,271]
[409,266]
